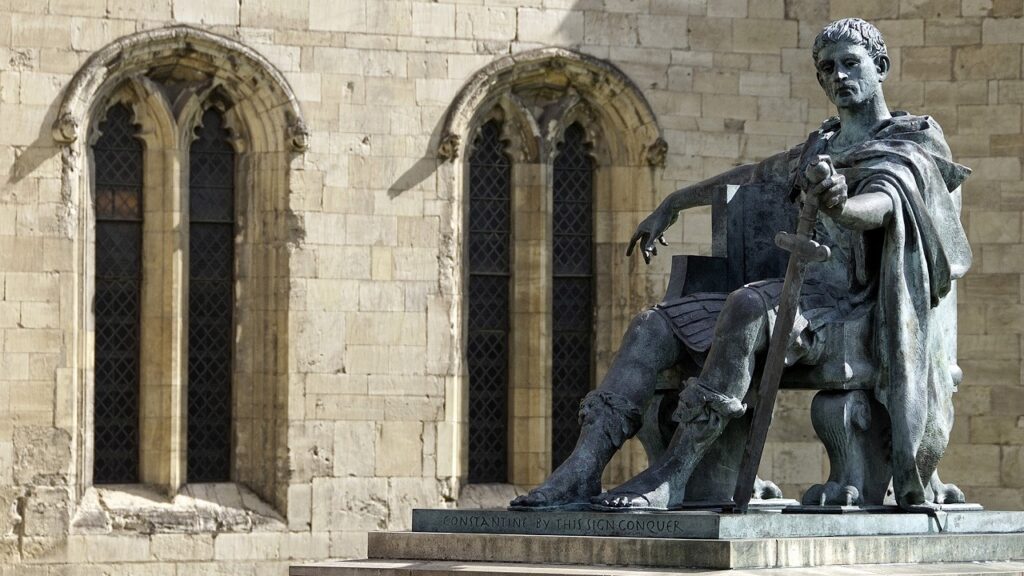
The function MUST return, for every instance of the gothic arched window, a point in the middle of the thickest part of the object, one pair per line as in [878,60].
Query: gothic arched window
[487,340]
[210,300]
[572,288]
[117,154]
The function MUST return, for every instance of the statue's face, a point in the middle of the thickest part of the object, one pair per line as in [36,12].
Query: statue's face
[849,75]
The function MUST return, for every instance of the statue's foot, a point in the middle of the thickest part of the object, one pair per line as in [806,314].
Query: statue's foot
[567,488]
[766,489]
[832,494]
[649,490]
[947,494]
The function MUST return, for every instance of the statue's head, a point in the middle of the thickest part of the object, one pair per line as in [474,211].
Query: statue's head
[851,61]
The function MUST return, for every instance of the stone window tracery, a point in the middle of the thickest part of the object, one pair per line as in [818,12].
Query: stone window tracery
[574,129]
[218,127]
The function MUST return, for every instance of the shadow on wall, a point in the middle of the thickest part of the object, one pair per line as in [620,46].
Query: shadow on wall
[29,158]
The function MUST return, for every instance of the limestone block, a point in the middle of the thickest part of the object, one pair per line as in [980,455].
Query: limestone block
[987,429]
[727,9]
[952,32]
[348,544]
[988,346]
[311,450]
[710,34]
[399,449]
[389,18]
[344,407]
[760,35]
[417,409]
[955,93]
[21,127]
[678,7]
[304,545]
[300,507]
[1010,92]
[809,10]
[1008,400]
[992,119]
[996,168]
[766,9]
[797,463]
[209,12]
[349,504]
[994,288]
[253,546]
[560,27]
[31,31]
[343,262]
[605,28]
[1007,9]
[404,494]
[933,9]
[431,19]
[42,455]
[319,341]
[158,10]
[722,106]
[120,548]
[1012,466]
[764,84]
[987,62]
[926,63]
[485,22]
[357,440]
[337,16]
[971,465]
[178,547]
[271,13]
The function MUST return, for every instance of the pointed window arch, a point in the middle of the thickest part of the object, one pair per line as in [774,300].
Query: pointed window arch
[218,127]
[489,255]
[210,300]
[584,147]
[117,156]
[572,287]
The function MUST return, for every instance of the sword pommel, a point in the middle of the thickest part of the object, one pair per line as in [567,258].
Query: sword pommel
[804,248]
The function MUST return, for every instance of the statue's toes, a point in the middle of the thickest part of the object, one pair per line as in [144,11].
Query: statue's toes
[950,494]
[815,496]
[770,491]
[531,499]
[848,496]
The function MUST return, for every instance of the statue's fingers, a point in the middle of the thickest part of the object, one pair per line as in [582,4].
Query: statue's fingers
[654,249]
[647,256]
[661,240]
[637,237]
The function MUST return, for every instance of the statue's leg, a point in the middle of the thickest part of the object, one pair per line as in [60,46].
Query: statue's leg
[706,405]
[854,429]
[611,414]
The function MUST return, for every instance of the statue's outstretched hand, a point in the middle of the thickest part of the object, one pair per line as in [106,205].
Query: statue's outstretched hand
[827,185]
[650,232]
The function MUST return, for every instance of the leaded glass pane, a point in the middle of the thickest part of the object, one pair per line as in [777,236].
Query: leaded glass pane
[572,289]
[487,339]
[117,157]
[210,300]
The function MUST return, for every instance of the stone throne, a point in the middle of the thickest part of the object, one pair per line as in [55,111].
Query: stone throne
[851,423]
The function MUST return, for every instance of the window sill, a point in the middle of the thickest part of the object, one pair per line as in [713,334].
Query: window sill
[195,509]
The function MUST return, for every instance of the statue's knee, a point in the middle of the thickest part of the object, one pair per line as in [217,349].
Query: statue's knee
[648,327]
[744,306]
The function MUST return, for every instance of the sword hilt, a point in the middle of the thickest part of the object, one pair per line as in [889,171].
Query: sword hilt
[804,248]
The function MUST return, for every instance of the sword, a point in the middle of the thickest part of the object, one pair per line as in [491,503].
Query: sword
[802,250]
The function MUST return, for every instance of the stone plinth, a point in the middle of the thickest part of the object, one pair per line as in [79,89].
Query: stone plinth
[496,541]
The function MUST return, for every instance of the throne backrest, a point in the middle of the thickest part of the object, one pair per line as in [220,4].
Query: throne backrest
[744,222]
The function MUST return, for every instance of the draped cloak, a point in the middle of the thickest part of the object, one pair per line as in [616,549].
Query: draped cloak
[907,267]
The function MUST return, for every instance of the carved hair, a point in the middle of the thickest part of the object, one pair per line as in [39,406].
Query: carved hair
[852,30]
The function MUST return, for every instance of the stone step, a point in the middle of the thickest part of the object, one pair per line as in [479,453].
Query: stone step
[439,568]
[764,552]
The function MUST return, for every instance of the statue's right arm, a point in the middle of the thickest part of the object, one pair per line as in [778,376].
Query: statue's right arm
[652,229]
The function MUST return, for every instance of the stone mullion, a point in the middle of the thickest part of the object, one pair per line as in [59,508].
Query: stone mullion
[530,370]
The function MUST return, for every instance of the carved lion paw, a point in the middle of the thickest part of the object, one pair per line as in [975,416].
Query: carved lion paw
[832,494]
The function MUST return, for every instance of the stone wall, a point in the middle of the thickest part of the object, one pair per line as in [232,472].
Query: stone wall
[368,409]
